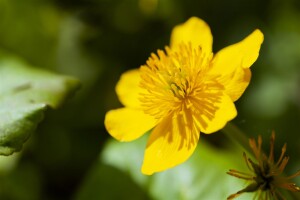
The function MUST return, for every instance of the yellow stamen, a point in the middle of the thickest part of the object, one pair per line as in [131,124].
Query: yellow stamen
[177,82]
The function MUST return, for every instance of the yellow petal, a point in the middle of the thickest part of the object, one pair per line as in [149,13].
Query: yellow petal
[224,111]
[228,61]
[128,89]
[195,31]
[242,54]
[126,124]
[236,83]
[171,143]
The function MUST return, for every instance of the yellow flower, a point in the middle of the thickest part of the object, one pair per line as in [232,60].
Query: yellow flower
[181,92]
[266,175]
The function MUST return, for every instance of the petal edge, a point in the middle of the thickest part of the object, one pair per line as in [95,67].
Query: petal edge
[226,112]
[194,30]
[128,89]
[126,124]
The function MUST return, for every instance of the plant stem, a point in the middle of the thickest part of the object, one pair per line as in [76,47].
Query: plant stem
[237,136]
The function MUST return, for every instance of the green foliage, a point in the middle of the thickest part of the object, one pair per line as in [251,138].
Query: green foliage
[203,176]
[22,183]
[106,182]
[25,93]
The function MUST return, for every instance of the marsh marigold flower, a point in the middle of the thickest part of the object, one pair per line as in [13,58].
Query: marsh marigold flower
[180,92]
[265,175]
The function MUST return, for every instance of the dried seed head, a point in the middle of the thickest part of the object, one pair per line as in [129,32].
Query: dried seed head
[265,175]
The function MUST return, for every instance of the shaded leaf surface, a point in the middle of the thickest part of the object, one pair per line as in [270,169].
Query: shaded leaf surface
[106,182]
[25,93]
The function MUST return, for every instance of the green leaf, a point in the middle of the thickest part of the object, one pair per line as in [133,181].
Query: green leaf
[106,182]
[12,184]
[25,93]
[203,176]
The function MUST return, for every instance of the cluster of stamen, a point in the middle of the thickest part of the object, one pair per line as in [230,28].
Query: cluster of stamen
[173,80]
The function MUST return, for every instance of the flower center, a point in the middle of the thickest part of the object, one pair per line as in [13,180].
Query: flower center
[173,79]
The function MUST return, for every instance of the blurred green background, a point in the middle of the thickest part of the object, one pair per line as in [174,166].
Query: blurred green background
[71,156]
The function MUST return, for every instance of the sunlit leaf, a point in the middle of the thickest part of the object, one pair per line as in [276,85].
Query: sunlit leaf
[203,176]
[25,93]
